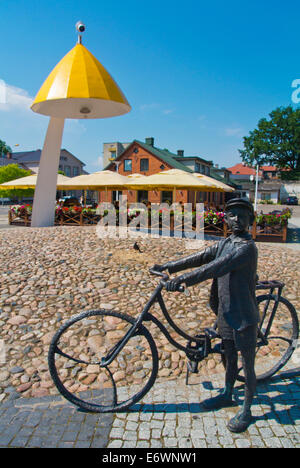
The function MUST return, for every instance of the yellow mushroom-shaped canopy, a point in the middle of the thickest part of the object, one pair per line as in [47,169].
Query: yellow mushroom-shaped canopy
[80,87]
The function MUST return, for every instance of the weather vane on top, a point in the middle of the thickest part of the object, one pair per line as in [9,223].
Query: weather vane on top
[80,28]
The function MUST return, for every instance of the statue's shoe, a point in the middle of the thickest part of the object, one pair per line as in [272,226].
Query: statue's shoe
[218,402]
[240,422]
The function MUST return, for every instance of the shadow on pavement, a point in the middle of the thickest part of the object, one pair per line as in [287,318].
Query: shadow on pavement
[277,399]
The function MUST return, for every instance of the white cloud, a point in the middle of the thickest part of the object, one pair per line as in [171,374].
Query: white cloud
[168,111]
[234,131]
[146,107]
[16,101]
[15,98]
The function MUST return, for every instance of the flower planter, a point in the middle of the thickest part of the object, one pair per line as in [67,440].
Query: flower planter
[19,215]
[70,218]
[90,218]
[267,228]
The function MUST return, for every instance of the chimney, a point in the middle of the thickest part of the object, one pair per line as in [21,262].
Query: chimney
[149,141]
[180,153]
[8,155]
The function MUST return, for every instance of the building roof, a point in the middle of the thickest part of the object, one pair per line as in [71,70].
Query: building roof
[193,158]
[269,168]
[35,156]
[242,169]
[264,185]
[27,156]
[7,162]
[214,173]
[163,154]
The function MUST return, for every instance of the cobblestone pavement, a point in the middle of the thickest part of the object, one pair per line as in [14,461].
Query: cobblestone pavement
[169,416]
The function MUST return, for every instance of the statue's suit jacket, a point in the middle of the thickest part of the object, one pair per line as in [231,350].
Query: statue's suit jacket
[232,262]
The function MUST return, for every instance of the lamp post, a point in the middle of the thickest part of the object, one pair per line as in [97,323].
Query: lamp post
[79,87]
[256,188]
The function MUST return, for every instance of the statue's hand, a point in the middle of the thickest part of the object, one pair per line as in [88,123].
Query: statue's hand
[173,285]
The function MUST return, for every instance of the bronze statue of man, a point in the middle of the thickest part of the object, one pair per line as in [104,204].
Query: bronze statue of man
[232,264]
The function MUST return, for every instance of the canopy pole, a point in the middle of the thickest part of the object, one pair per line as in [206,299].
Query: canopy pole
[43,210]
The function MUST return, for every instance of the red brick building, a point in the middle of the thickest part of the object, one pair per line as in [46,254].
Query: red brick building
[145,158]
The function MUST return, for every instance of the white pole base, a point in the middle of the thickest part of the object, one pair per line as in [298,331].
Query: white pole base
[43,211]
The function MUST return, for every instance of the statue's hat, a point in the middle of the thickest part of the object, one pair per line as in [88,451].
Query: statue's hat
[242,203]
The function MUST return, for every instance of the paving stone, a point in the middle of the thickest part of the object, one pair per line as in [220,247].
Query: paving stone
[170,442]
[273,442]
[243,443]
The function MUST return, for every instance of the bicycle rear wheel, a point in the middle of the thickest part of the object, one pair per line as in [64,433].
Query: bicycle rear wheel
[280,333]
[75,355]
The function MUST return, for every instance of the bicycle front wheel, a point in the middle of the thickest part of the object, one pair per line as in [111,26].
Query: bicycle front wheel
[277,337]
[75,355]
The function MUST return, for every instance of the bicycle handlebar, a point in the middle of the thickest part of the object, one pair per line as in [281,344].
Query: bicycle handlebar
[165,278]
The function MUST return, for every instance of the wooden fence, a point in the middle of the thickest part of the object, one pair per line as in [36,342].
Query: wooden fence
[260,233]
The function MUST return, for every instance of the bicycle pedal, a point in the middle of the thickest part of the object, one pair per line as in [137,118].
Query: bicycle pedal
[212,333]
[192,367]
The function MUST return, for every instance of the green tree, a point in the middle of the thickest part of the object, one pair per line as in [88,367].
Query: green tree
[275,141]
[4,148]
[11,172]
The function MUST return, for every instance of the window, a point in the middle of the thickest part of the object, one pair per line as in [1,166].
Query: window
[207,171]
[197,167]
[144,165]
[76,171]
[142,196]
[113,154]
[67,171]
[166,197]
[127,165]
[265,196]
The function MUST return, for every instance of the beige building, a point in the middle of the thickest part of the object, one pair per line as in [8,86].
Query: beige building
[112,150]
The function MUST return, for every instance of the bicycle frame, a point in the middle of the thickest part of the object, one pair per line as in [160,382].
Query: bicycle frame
[271,285]
[203,340]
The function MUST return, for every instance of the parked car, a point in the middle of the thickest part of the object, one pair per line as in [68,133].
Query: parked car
[70,201]
[91,203]
[5,201]
[291,201]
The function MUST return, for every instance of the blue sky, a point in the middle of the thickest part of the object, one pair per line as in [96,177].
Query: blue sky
[198,75]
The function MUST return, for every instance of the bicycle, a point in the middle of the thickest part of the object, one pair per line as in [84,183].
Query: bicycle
[105,361]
